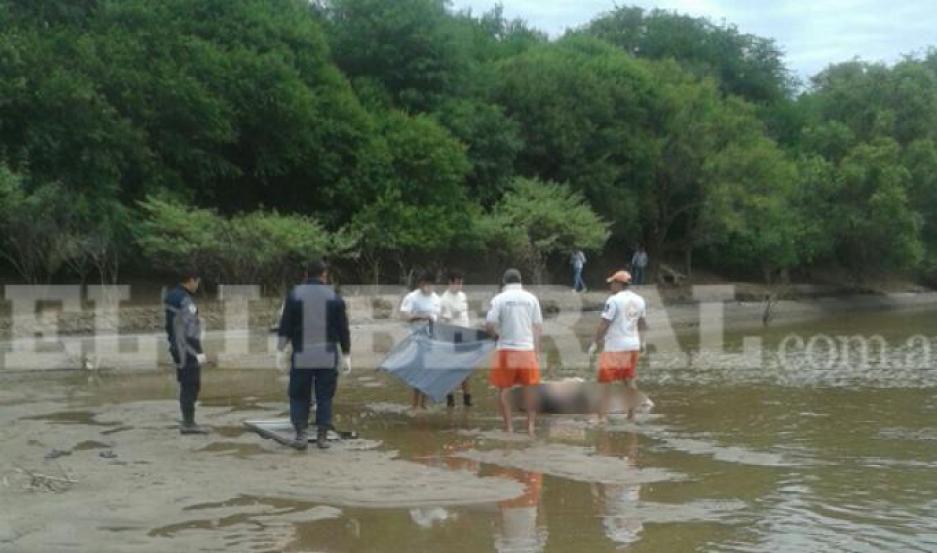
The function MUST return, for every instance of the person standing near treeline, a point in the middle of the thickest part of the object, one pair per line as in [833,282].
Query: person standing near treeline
[454,310]
[639,262]
[184,333]
[516,320]
[315,323]
[578,262]
[420,306]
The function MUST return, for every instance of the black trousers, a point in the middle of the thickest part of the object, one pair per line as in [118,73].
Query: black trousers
[190,382]
[302,382]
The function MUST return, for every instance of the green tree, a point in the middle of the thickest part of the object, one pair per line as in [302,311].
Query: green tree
[407,46]
[422,209]
[751,211]
[582,108]
[743,64]
[537,220]
[38,226]
[876,225]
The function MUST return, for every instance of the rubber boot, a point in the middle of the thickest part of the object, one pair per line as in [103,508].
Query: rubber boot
[467,400]
[450,400]
[322,438]
[301,440]
[188,422]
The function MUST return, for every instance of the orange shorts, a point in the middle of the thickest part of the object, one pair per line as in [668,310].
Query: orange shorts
[617,365]
[512,367]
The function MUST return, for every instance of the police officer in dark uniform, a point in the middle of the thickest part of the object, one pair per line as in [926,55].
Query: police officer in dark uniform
[184,330]
[315,322]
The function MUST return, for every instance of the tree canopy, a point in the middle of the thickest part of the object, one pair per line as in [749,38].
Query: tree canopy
[403,134]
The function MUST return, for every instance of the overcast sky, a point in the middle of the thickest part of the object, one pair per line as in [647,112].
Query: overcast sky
[813,33]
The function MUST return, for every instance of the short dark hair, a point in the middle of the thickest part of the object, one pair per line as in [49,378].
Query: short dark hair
[316,267]
[187,274]
[511,276]
[455,274]
[425,277]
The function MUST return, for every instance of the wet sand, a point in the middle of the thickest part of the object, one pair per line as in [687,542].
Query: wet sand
[733,460]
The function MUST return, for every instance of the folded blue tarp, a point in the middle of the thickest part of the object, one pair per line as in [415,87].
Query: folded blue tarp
[436,358]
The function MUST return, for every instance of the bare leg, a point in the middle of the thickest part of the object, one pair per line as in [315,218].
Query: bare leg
[416,399]
[631,392]
[504,405]
[466,389]
[530,403]
[604,400]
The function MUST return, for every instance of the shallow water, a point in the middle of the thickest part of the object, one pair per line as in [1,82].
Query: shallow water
[800,455]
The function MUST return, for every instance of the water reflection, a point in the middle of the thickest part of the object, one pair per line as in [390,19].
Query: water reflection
[519,531]
[616,502]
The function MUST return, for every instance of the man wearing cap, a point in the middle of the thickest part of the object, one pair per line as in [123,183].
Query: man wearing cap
[315,322]
[621,328]
[184,332]
[516,320]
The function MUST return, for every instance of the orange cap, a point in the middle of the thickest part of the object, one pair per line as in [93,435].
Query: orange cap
[621,276]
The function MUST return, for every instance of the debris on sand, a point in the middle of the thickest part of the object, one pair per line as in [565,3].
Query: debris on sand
[47,483]
[56,453]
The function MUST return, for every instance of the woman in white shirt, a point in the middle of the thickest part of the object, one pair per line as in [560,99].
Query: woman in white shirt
[455,311]
[421,305]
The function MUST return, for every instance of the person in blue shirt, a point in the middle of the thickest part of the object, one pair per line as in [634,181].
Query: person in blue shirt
[183,331]
[315,323]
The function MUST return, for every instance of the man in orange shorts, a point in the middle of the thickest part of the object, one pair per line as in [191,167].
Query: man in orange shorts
[516,320]
[621,328]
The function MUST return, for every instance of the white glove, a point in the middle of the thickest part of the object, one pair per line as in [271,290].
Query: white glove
[201,358]
[282,361]
[346,364]
[593,349]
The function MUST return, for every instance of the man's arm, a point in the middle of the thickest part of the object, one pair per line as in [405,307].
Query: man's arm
[491,320]
[285,329]
[344,334]
[642,332]
[538,332]
[602,330]
[190,327]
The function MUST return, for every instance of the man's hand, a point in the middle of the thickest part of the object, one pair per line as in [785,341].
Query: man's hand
[346,364]
[593,350]
[201,358]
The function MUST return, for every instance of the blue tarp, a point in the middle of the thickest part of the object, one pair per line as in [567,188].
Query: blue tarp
[436,358]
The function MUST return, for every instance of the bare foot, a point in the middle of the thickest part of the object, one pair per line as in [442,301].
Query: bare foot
[531,430]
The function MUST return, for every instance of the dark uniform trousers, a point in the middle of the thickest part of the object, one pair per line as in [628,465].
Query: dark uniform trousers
[190,382]
[302,383]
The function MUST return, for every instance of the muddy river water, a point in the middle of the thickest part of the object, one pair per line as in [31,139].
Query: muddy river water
[825,441]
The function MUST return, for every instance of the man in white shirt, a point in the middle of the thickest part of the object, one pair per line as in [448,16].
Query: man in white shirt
[516,320]
[621,328]
[455,311]
[419,306]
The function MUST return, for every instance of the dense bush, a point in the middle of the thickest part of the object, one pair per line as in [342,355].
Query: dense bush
[258,247]
[396,132]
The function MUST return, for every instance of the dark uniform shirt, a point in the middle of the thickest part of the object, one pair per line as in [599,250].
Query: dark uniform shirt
[183,329]
[315,322]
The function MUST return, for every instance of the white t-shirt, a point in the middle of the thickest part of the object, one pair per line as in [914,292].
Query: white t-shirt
[622,311]
[418,303]
[514,312]
[454,308]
